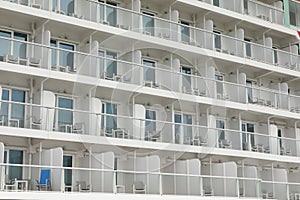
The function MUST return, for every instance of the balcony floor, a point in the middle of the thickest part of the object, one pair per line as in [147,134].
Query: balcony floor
[93,195]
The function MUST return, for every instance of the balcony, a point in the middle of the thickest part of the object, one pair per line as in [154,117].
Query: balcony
[259,50]
[108,173]
[128,72]
[263,139]
[271,12]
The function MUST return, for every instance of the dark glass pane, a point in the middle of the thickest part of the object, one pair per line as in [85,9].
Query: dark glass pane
[15,157]
[19,47]
[67,162]
[65,117]
[17,110]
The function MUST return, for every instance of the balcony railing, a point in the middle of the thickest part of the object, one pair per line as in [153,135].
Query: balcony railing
[125,127]
[41,56]
[123,181]
[253,8]
[154,183]
[167,29]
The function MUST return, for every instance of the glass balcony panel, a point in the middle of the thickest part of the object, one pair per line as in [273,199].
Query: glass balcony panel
[187,130]
[101,61]
[150,125]
[149,72]
[185,32]
[111,65]
[5,44]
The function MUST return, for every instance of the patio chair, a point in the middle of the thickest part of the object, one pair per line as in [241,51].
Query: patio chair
[44,183]
[139,187]
[83,187]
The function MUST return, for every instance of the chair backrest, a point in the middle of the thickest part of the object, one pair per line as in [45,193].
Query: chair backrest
[82,184]
[139,185]
[45,176]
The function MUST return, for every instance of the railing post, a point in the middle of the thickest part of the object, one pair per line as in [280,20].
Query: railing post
[160,185]
[115,183]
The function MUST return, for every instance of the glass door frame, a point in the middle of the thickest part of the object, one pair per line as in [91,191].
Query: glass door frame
[146,68]
[72,173]
[112,4]
[248,135]
[12,41]
[182,67]
[182,126]
[58,50]
[10,104]
[103,124]
[58,96]
[185,24]
[149,14]
[7,168]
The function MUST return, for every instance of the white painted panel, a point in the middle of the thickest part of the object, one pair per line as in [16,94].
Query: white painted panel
[209,37]
[139,125]
[95,120]
[47,115]
[175,35]
[194,168]
[137,73]
[274,145]
[102,181]
[212,135]
[0,95]
[211,85]
[2,169]
[242,90]
[57,174]
[153,181]
[230,169]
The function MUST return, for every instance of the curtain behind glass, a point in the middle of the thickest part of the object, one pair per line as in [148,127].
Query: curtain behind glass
[148,23]
[66,58]
[67,6]
[149,71]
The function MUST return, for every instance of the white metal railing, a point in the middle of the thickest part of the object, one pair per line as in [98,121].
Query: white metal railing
[197,85]
[161,179]
[166,32]
[127,127]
